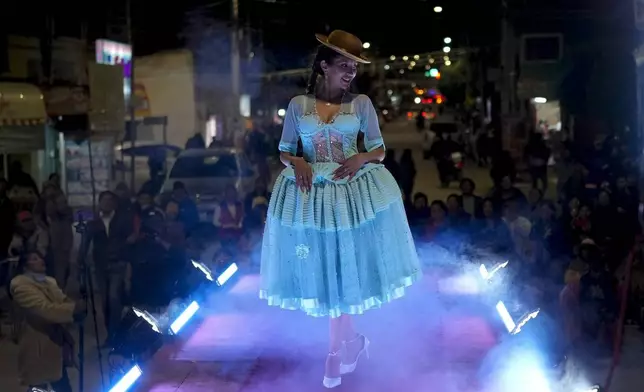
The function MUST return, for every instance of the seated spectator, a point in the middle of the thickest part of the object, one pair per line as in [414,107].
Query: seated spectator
[438,223]
[145,203]
[29,237]
[146,214]
[420,213]
[260,191]
[506,191]
[174,232]
[573,206]
[458,219]
[520,228]
[594,181]
[229,216]
[569,301]
[547,234]
[46,346]
[225,255]
[255,216]
[534,202]
[569,212]
[604,220]
[490,231]
[626,199]
[439,231]
[581,223]
[598,301]
[250,243]
[471,203]
[188,213]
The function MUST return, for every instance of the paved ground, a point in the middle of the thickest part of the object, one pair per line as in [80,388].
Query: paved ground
[402,134]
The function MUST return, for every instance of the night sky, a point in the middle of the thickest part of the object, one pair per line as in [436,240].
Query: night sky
[288,26]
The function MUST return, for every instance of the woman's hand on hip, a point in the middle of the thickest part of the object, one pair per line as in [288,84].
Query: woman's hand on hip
[303,175]
[350,167]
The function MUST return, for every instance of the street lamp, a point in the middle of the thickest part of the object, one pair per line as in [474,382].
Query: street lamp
[366,45]
[447,40]
[438,10]
[447,49]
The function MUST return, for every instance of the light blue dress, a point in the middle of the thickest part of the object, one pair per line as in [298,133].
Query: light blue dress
[345,246]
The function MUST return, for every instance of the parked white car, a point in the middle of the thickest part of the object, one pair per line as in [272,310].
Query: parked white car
[207,172]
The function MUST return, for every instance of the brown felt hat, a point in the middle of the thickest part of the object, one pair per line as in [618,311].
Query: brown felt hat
[345,44]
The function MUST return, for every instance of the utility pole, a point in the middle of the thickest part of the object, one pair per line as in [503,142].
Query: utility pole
[130,102]
[46,43]
[505,63]
[234,69]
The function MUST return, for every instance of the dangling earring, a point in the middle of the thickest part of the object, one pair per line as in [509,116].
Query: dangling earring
[326,88]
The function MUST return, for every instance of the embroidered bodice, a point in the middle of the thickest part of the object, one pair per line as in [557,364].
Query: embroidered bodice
[336,140]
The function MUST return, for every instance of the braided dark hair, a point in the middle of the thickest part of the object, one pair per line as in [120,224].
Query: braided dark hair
[323,53]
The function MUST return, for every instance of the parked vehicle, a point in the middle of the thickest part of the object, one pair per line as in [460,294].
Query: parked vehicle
[206,173]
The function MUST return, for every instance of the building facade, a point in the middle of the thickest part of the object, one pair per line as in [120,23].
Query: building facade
[559,65]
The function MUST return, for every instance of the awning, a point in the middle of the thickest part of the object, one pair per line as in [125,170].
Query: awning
[22,118]
[21,122]
[16,139]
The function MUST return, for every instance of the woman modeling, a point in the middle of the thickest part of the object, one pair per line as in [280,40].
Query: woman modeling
[336,241]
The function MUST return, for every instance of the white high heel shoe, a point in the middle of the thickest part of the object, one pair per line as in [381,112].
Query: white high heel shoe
[349,368]
[332,382]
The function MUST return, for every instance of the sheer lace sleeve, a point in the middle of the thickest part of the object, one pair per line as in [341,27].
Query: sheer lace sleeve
[369,124]
[288,142]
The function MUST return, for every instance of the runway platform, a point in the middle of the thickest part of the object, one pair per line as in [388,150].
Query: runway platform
[238,343]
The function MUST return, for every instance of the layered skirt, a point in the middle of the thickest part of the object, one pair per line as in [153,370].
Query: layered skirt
[342,248]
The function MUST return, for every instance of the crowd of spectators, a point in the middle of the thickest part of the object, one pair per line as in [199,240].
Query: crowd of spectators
[138,248]
[567,247]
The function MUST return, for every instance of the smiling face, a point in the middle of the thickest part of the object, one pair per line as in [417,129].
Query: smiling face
[339,72]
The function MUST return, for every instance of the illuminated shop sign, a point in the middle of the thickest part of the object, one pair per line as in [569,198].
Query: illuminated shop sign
[116,53]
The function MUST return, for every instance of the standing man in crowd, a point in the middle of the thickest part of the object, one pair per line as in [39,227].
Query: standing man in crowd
[110,234]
